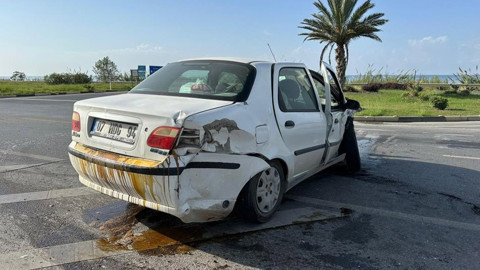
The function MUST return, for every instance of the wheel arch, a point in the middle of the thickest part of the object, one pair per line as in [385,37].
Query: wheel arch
[281,161]
[284,170]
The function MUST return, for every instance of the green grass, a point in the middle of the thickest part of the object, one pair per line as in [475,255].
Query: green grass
[391,103]
[383,103]
[27,88]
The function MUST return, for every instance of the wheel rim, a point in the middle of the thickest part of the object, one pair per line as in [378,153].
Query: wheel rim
[268,190]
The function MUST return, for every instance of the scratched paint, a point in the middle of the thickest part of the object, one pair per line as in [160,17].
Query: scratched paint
[157,192]
[93,153]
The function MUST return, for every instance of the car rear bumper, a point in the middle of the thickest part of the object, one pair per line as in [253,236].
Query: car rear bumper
[202,189]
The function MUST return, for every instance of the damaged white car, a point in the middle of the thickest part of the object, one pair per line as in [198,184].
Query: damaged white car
[200,138]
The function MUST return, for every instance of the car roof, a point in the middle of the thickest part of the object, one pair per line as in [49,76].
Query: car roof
[231,59]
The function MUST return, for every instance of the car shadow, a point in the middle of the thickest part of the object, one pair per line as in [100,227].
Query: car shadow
[153,233]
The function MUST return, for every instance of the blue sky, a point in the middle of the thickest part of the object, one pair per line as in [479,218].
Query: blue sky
[41,37]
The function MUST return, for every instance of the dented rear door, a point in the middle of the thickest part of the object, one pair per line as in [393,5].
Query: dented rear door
[299,117]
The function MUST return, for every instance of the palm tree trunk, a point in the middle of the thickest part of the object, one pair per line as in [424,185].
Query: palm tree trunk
[341,63]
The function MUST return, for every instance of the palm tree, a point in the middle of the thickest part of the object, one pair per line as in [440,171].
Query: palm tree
[338,25]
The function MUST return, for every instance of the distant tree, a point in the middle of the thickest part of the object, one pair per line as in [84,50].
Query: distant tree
[338,25]
[106,70]
[125,77]
[18,76]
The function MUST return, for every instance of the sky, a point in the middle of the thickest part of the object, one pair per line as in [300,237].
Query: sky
[39,37]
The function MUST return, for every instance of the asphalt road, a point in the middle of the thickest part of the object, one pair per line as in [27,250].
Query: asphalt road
[414,205]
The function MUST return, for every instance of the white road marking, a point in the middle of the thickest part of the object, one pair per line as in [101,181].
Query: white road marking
[44,99]
[388,213]
[442,125]
[458,135]
[462,157]
[88,250]
[40,157]
[10,168]
[374,129]
[45,120]
[45,195]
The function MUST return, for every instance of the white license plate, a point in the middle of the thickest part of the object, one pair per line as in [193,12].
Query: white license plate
[117,131]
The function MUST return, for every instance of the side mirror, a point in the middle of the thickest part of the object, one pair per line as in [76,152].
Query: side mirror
[353,105]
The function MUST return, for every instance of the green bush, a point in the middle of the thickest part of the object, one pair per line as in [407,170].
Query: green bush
[454,87]
[450,92]
[393,85]
[371,87]
[464,92]
[423,96]
[442,88]
[410,94]
[416,87]
[471,88]
[67,78]
[349,88]
[440,103]
[89,87]
[467,76]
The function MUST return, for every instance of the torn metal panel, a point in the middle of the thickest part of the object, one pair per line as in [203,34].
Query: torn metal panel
[214,199]
[224,136]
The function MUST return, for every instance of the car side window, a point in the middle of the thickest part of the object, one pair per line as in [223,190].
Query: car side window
[295,91]
[333,85]
[321,90]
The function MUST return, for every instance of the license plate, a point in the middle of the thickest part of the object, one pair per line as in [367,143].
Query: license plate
[117,131]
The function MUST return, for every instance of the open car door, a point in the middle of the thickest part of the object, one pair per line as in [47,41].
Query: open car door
[335,113]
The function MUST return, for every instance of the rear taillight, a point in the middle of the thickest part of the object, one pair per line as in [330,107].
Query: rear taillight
[163,137]
[76,122]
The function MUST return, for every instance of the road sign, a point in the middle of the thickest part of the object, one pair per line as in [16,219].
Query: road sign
[154,68]
[134,73]
[142,70]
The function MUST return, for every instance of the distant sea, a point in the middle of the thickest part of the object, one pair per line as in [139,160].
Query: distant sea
[28,78]
[449,78]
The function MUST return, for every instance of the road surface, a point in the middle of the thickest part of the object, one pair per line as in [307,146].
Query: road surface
[414,205]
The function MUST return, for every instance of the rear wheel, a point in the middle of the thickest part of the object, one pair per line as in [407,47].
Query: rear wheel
[349,146]
[262,195]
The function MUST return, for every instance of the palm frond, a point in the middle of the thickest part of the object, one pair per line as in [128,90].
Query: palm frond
[348,8]
[375,19]
[338,22]
[319,5]
[359,12]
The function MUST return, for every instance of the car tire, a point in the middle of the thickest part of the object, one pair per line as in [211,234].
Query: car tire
[349,146]
[262,195]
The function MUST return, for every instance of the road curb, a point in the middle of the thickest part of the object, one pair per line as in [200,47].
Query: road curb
[61,93]
[417,118]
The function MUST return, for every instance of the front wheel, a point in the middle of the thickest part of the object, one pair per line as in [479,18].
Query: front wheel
[262,195]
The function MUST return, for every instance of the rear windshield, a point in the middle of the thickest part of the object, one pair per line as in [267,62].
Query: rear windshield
[202,79]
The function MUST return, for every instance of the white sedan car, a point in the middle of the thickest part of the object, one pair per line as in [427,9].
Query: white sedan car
[200,138]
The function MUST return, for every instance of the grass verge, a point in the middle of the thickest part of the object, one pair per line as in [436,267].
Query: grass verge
[391,103]
[383,103]
[8,88]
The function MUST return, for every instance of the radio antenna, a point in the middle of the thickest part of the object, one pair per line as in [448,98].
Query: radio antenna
[272,52]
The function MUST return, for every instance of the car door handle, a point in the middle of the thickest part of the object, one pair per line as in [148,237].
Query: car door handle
[289,124]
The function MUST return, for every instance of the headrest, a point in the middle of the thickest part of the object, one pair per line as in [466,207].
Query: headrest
[290,88]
